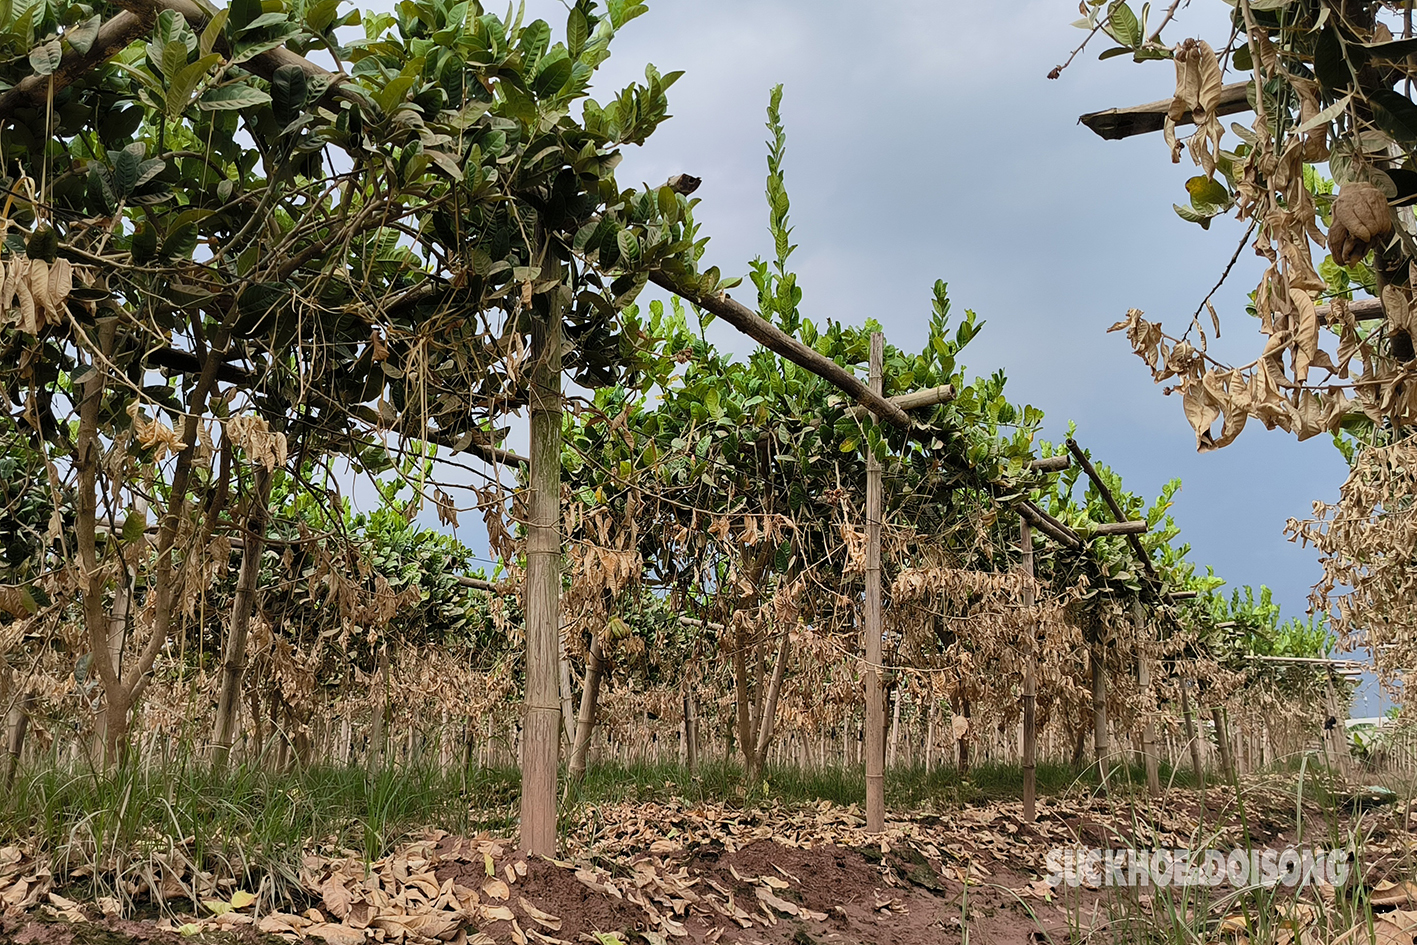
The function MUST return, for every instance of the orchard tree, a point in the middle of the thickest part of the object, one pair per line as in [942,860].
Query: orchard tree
[221,259]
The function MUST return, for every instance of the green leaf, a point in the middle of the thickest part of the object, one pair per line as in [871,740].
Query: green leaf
[1124,26]
[45,59]
[577,31]
[290,88]
[133,526]
[668,204]
[623,11]
[1114,52]
[125,171]
[392,94]
[629,245]
[213,30]
[174,59]
[1191,216]
[243,12]
[232,97]
[183,84]
[1395,114]
[1207,190]
[82,35]
[266,19]
[1330,66]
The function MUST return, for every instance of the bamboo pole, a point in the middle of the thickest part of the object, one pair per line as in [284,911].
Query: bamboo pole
[1192,739]
[1148,725]
[585,724]
[541,740]
[1097,659]
[233,664]
[894,756]
[691,732]
[1222,741]
[875,706]
[19,724]
[775,339]
[568,712]
[1030,680]
[1337,730]
[1116,509]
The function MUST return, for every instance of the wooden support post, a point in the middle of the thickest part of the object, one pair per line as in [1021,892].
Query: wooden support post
[568,712]
[1337,730]
[1097,659]
[1030,678]
[19,724]
[1148,725]
[233,664]
[1222,741]
[875,705]
[541,600]
[1192,739]
[691,732]
[895,728]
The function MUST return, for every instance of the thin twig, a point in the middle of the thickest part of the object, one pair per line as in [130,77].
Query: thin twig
[1223,276]
[1058,70]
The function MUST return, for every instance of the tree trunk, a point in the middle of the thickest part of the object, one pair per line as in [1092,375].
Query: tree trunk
[875,705]
[1148,727]
[893,758]
[962,743]
[19,724]
[691,732]
[542,583]
[568,712]
[233,664]
[931,712]
[1030,674]
[1222,741]
[585,725]
[1097,657]
[767,715]
[1191,737]
[381,708]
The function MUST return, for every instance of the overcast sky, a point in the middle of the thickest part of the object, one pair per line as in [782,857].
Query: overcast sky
[925,142]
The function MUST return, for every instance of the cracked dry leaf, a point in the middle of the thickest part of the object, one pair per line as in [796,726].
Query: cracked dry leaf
[336,897]
[336,934]
[544,919]
[781,905]
[498,913]
[496,889]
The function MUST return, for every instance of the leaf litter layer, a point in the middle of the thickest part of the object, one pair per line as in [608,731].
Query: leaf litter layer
[673,870]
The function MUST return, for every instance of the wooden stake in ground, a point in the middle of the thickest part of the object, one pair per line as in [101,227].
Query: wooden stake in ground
[1222,742]
[1148,725]
[233,663]
[1030,682]
[1191,737]
[542,583]
[1097,657]
[875,698]
[1337,731]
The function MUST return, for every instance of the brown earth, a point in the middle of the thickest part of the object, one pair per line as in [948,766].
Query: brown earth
[712,873]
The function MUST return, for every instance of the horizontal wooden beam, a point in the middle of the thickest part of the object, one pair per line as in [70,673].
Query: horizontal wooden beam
[914,400]
[750,323]
[1051,463]
[1117,123]
[1120,528]
[1362,310]
[1049,525]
